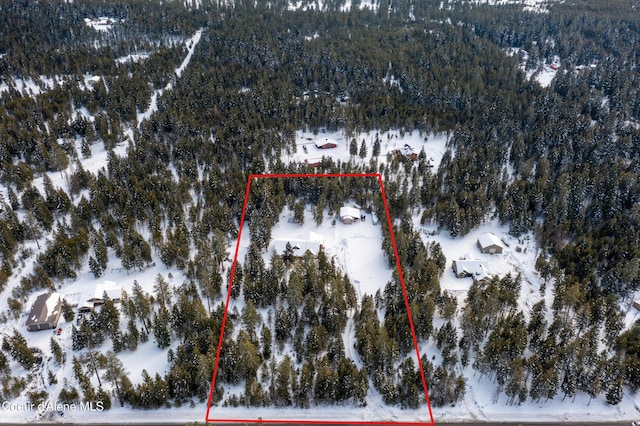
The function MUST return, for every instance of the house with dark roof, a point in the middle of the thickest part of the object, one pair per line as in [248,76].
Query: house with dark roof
[326,143]
[45,312]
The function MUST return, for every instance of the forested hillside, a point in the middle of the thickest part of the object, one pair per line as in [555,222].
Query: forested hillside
[560,163]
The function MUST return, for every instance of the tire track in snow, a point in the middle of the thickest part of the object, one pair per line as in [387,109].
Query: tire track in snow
[153,104]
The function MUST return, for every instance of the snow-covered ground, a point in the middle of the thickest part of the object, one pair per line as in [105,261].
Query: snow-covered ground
[357,249]
[481,402]
[102,23]
[543,72]
[434,146]
[153,105]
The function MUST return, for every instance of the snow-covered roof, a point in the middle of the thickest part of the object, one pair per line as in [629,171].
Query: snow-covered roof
[46,309]
[477,268]
[488,239]
[349,212]
[113,290]
[299,247]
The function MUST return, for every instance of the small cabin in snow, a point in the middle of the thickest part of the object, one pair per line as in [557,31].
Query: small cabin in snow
[299,246]
[477,269]
[326,143]
[489,243]
[348,215]
[95,296]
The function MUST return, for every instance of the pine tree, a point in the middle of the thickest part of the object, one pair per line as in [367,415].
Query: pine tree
[94,267]
[20,351]
[353,148]
[305,388]
[265,342]
[363,150]
[298,212]
[376,148]
[104,397]
[161,328]
[132,336]
[142,305]
[116,374]
[83,380]
[516,386]
[162,290]
[67,311]
[56,351]
[281,396]
[326,385]
[250,319]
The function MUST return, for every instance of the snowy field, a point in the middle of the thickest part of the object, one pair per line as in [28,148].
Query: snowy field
[434,146]
[356,248]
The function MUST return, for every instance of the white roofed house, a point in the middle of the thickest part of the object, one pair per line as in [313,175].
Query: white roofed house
[95,295]
[45,312]
[489,243]
[348,215]
[313,244]
[477,269]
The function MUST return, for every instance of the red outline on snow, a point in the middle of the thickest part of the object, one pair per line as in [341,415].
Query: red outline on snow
[404,292]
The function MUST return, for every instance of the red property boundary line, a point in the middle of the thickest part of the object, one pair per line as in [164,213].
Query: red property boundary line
[404,292]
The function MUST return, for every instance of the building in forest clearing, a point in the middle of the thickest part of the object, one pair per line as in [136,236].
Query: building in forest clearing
[489,243]
[348,215]
[469,267]
[312,244]
[326,143]
[406,151]
[95,295]
[312,162]
[45,312]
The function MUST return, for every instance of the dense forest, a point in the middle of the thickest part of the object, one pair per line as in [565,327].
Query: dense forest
[560,163]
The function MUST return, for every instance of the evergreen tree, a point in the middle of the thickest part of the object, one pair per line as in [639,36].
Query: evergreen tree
[363,150]
[353,148]
[375,152]
[20,351]
[282,393]
[161,328]
[56,351]
[117,375]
